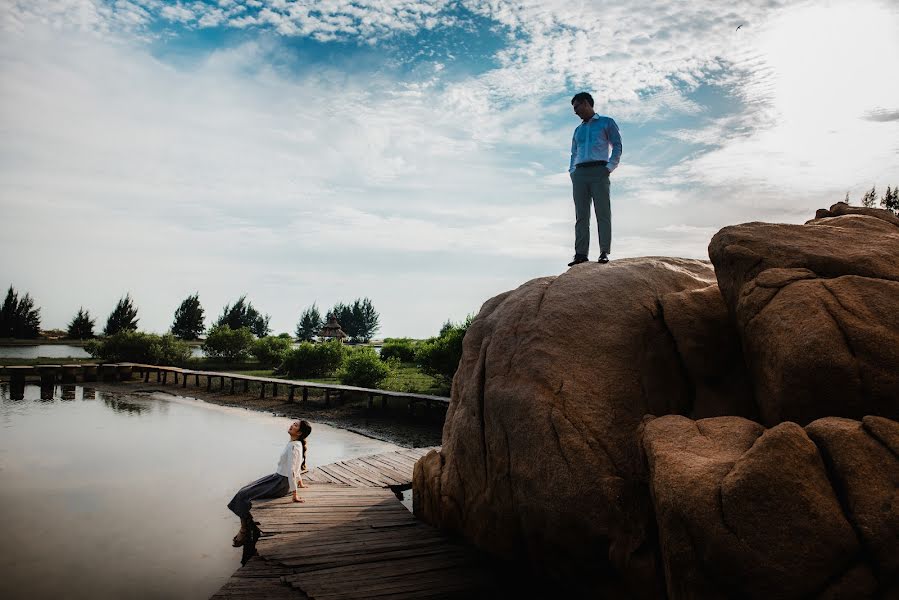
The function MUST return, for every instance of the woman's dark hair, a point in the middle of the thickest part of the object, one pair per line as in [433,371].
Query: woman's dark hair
[305,430]
[582,96]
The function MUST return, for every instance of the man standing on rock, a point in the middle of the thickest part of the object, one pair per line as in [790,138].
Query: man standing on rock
[590,167]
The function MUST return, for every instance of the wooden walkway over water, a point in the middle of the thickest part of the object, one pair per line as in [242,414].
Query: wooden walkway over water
[352,538]
[213,381]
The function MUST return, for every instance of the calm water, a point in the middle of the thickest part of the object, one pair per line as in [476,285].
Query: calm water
[43,351]
[106,495]
[59,351]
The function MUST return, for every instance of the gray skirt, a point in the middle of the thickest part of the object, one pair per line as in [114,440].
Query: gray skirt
[270,486]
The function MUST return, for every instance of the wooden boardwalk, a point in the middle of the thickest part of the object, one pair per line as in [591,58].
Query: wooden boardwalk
[352,538]
[51,374]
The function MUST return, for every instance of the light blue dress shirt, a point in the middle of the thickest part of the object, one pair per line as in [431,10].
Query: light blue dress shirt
[592,140]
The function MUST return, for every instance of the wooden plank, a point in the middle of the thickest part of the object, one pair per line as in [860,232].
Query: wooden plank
[403,470]
[355,540]
[364,474]
[338,477]
[383,469]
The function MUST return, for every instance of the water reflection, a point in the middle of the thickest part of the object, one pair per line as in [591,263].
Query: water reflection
[127,496]
[121,405]
[68,392]
[17,391]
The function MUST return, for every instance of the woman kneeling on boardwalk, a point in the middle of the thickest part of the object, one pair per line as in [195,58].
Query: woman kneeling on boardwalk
[286,478]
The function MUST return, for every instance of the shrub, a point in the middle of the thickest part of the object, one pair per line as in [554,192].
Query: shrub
[229,344]
[135,346]
[402,349]
[314,360]
[363,368]
[439,356]
[270,351]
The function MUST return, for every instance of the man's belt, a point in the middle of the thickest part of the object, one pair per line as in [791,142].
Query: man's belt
[591,163]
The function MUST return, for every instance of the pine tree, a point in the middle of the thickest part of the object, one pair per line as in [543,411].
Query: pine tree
[890,200]
[368,319]
[846,199]
[123,317]
[869,200]
[189,319]
[243,314]
[82,326]
[344,315]
[310,324]
[359,320]
[18,317]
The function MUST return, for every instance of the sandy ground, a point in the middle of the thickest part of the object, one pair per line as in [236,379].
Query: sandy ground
[391,424]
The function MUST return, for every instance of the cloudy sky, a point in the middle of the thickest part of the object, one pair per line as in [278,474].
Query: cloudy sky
[411,151]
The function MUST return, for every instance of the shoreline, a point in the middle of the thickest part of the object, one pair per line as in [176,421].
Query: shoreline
[392,424]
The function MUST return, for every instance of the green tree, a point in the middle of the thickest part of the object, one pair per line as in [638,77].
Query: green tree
[368,319]
[229,344]
[243,314]
[446,328]
[122,318]
[310,324]
[358,320]
[869,200]
[890,200]
[439,356]
[344,315]
[82,326]
[18,317]
[189,319]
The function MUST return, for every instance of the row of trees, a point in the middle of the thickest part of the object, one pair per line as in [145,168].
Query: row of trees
[358,320]
[889,200]
[19,318]
[438,356]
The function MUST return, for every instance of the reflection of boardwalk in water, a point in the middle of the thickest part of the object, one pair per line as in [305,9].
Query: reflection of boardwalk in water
[352,538]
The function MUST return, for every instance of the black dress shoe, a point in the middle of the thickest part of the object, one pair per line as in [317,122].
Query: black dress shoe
[603,258]
[578,259]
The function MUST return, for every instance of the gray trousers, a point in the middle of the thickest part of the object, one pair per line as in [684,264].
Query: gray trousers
[270,486]
[591,183]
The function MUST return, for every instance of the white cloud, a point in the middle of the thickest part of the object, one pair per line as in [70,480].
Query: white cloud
[180,13]
[808,124]
[430,194]
[205,180]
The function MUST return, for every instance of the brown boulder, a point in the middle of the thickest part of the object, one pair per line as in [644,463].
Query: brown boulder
[815,307]
[863,461]
[745,512]
[539,457]
[841,208]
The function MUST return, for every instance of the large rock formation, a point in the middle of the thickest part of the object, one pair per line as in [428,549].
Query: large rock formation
[816,309]
[542,461]
[539,456]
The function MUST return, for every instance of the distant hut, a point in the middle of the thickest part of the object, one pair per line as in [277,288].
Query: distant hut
[332,330]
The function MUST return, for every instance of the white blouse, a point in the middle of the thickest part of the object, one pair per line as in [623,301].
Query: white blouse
[290,463]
